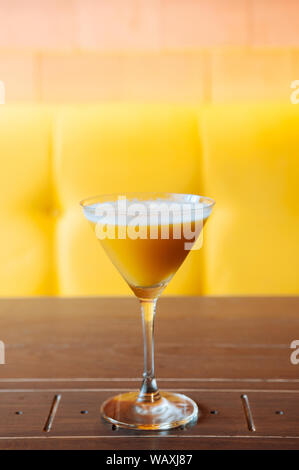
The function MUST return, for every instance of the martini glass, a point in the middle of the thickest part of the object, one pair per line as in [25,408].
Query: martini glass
[147,236]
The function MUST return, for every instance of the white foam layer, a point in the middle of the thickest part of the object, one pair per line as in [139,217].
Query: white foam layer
[155,212]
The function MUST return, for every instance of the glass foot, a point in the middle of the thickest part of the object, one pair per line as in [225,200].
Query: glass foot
[169,411]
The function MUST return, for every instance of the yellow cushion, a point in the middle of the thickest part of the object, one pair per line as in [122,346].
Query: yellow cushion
[251,168]
[26,266]
[25,180]
[244,156]
[117,148]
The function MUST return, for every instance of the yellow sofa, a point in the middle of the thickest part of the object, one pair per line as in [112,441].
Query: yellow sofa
[245,156]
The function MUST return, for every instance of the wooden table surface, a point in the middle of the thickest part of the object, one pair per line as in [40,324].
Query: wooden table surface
[231,355]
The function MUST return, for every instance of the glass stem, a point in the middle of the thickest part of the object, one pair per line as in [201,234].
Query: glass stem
[149,391]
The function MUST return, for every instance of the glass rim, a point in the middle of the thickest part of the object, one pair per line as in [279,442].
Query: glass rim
[88,202]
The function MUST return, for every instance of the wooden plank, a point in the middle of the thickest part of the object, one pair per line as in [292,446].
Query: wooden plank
[220,406]
[54,384]
[195,337]
[142,443]
[65,356]
[24,414]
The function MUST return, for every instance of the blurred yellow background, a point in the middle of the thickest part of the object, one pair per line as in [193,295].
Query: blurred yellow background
[143,95]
